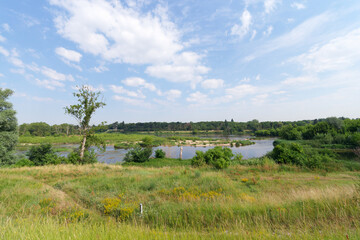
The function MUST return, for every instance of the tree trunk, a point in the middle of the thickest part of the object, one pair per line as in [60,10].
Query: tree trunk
[82,149]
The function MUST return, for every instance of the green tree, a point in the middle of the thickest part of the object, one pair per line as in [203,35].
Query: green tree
[88,103]
[8,128]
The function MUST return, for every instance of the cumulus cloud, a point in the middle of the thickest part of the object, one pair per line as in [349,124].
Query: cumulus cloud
[131,101]
[138,82]
[185,67]
[298,6]
[100,69]
[198,98]
[244,28]
[270,5]
[122,33]
[172,94]
[268,31]
[69,55]
[118,33]
[54,75]
[212,83]
[49,84]
[2,39]
[122,90]
[241,90]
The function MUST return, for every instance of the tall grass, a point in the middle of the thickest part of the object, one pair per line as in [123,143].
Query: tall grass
[252,202]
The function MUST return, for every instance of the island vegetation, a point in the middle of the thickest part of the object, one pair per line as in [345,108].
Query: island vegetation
[307,187]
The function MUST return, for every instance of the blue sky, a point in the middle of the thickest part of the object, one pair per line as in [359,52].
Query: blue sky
[183,60]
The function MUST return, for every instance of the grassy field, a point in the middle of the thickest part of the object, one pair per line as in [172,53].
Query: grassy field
[242,202]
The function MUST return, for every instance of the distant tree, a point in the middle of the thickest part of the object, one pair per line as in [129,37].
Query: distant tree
[8,128]
[88,103]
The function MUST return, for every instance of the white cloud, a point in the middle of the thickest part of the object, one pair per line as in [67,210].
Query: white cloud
[100,69]
[241,90]
[2,39]
[244,28]
[298,6]
[338,54]
[130,101]
[138,82]
[118,33]
[253,35]
[172,94]
[69,55]
[270,5]
[296,36]
[198,98]
[100,88]
[212,83]
[123,34]
[4,52]
[6,27]
[122,90]
[49,84]
[257,78]
[259,99]
[1,75]
[186,67]
[54,75]
[268,31]
[299,80]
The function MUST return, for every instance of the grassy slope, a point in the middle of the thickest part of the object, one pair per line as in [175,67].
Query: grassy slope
[179,201]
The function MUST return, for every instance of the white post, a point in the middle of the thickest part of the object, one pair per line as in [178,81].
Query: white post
[181,149]
[141,209]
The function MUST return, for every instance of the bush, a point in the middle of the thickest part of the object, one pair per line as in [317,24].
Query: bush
[24,162]
[89,157]
[288,153]
[218,157]
[293,153]
[159,153]
[42,155]
[199,159]
[138,154]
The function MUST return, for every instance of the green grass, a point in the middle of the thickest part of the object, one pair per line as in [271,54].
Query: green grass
[251,202]
[160,162]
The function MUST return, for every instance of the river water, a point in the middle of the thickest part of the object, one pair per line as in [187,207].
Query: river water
[259,149]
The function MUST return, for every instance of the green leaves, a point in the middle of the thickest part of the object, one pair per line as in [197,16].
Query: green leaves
[8,128]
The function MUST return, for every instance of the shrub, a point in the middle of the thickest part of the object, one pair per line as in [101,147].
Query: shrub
[138,154]
[43,155]
[24,162]
[89,157]
[147,142]
[159,153]
[288,153]
[218,157]
[198,160]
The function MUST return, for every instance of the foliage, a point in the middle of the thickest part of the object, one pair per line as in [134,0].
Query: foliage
[8,128]
[138,154]
[43,155]
[294,153]
[217,157]
[146,142]
[159,153]
[89,157]
[87,105]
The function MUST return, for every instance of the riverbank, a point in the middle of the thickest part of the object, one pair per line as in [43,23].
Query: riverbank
[102,202]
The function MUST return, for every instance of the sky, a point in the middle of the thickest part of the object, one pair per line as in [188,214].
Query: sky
[158,60]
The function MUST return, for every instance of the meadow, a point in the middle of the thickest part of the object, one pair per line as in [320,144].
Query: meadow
[245,201]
